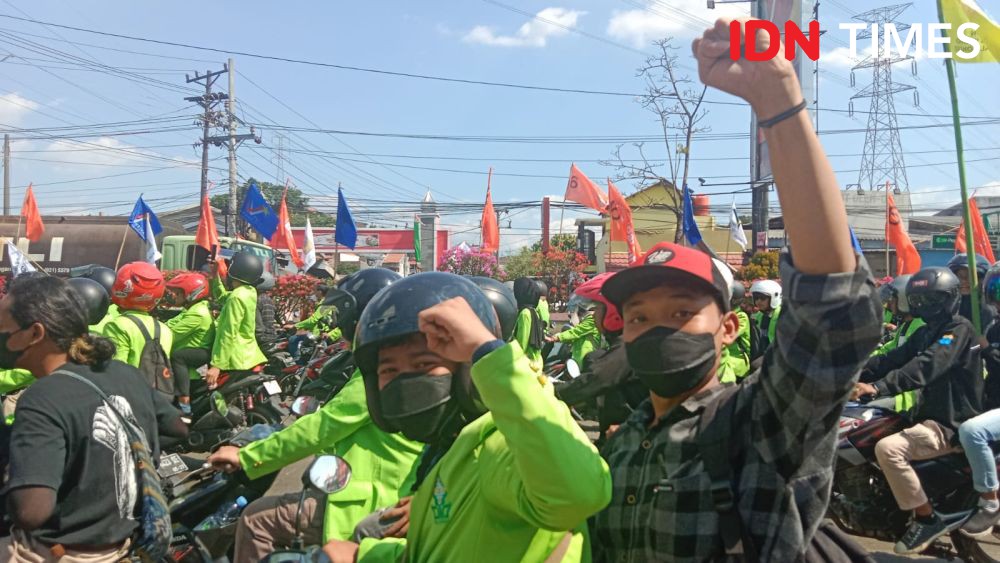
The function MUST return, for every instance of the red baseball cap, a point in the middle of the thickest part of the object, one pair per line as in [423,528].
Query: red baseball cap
[667,262]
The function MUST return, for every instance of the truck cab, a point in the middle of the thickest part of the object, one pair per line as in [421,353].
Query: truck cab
[181,252]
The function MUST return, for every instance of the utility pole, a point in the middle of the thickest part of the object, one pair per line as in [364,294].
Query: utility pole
[208,102]
[233,140]
[6,173]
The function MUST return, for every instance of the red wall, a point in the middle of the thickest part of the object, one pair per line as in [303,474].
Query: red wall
[389,240]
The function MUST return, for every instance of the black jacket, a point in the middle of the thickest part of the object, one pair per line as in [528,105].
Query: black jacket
[991,357]
[607,377]
[943,359]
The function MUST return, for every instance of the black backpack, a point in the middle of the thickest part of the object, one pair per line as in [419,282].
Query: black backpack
[153,363]
[828,545]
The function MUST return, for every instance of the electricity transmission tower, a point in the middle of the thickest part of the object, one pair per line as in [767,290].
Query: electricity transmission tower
[882,159]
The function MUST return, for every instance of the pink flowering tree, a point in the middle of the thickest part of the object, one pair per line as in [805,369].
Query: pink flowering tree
[471,262]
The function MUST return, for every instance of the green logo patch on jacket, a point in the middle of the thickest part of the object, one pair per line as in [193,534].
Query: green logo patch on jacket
[440,505]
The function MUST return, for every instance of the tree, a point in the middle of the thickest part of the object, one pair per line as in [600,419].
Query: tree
[298,203]
[561,269]
[471,263]
[564,242]
[762,266]
[677,105]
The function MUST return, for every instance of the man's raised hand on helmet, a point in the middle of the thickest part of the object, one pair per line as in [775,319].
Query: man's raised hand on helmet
[453,330]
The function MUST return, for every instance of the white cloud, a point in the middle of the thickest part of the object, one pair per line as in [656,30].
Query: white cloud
[13,107]
[109,150]
[534,33]
[668,18]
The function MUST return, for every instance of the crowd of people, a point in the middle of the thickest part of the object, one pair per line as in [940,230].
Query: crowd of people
[718,404]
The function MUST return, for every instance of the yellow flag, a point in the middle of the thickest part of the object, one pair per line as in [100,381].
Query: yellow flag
[958,12]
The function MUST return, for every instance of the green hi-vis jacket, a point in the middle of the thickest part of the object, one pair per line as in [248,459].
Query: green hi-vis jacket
[769,330]
[584,337]
[111,315]
[194,327]
[316,323]
[14,380]
[908,399]
[518,484]
[522,334]
[235,345]
[383,466]
[735,362]
[128,339]
[543,311]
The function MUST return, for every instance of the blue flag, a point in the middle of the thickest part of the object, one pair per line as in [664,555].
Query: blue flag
[854,242]
[346,233]
[141,214]
[691,232]
[258,213]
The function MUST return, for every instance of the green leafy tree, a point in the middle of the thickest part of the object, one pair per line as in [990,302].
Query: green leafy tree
[763,265]
[298,203]
[564,242]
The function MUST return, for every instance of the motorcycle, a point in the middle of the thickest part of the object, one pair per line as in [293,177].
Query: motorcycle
[327,474]
[195,491]
[862,504]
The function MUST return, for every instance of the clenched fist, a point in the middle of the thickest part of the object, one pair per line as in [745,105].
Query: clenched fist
[771,86]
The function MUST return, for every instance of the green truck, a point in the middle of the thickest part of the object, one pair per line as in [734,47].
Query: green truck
[73,241]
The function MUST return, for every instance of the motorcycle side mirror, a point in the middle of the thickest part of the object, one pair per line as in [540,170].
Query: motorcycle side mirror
[572,368]
[219,404]
[327,474]
[305,405]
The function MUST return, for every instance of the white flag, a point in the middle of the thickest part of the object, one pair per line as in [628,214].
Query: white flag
[152,253]
[736,229]
[19,263]
[309,248]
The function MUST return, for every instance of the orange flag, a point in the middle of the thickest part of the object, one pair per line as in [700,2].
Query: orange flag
[491,231]
[283,236]
[621,223]
[581,190]
[207,236]
[907,257]
[29,210]
[980,239]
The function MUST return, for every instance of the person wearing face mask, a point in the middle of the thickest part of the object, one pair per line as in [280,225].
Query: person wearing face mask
[942,360]
[71,491]
[543,304]
[710,472]
[235,348]
[383,463]
[767,298]
[899,307]
[507,474]
[959,265]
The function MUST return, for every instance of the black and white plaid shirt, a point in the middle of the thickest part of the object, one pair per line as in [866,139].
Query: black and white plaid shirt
[661,507]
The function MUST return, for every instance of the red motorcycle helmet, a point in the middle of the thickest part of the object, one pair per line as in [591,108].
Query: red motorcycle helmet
[192,285]
[591,289]
[138,287]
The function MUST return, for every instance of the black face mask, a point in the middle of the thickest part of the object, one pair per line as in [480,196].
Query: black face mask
[671,362]
[8,357]
[419,405]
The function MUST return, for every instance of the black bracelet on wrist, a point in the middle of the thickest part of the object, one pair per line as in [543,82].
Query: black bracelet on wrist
[768,123]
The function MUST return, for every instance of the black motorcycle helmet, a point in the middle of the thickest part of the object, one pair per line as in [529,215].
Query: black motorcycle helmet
[353,293]
[933,292]
[961,262]
[503,302]
[94,298]
[394,313]
[104,276]
[991,284]
[246,268]
[527,292]
[739,292]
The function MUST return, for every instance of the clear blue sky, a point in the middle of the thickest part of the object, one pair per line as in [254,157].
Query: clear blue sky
[476,40]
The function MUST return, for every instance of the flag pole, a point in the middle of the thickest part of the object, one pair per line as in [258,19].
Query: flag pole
[730,238]
[966,215]
[122,247]
[888,268]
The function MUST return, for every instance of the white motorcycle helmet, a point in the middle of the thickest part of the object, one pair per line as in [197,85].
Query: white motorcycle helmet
[769,288]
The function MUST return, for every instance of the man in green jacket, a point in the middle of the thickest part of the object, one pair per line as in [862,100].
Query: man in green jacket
[899,307]
[508,475]
[767,299]
[382,463]
[138,288]
[584,336]
[734,364]
[235,347]
[193,330]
